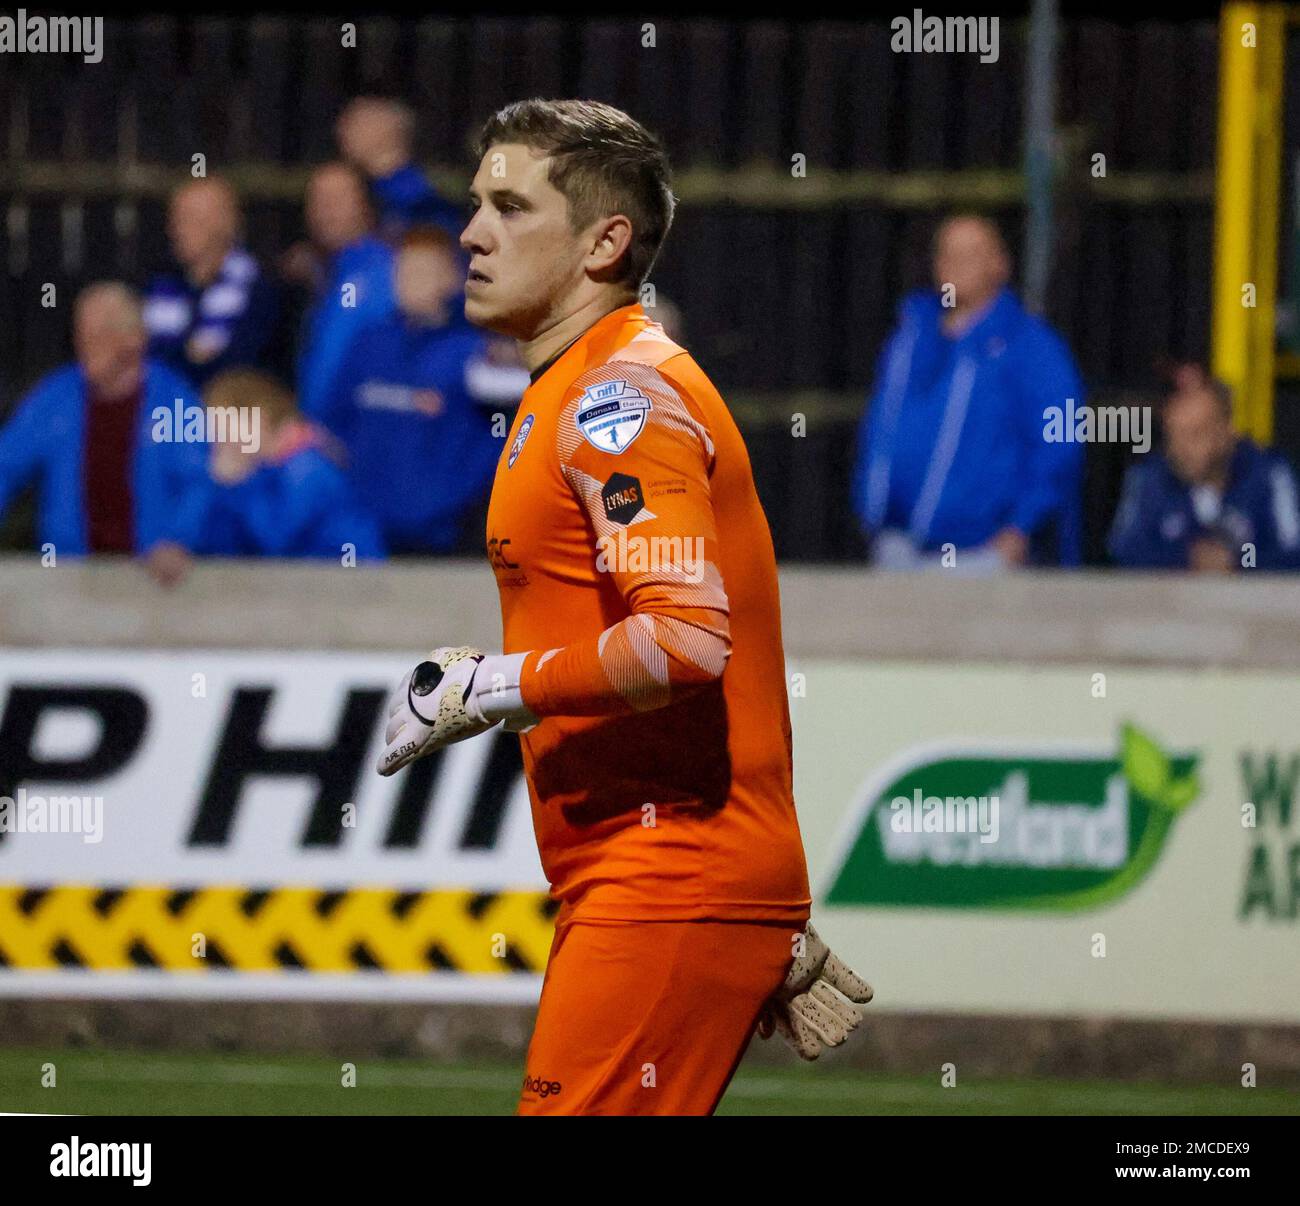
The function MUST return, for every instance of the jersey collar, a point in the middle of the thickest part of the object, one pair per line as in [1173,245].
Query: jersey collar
[602,326]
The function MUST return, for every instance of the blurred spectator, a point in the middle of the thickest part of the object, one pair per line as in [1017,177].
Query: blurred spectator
[952,449]
[87,433]
[420,403]
[355,283]
[290,497]
[668,314]
[1211,501]
[219,309]
[377,136]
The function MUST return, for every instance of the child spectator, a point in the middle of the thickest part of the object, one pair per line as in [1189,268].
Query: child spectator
[289,498]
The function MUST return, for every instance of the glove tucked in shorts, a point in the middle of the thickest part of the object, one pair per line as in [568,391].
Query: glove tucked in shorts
[649,1017]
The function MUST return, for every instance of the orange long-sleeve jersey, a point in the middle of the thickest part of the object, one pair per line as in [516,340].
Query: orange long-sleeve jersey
[635,563]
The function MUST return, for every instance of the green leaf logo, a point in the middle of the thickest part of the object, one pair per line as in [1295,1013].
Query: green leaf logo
[1150,772]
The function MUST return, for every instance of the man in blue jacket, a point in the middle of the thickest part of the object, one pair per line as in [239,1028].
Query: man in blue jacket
[421,403]
[953,449]
[356,285]
[1211,501]
[377,135]
[85,435]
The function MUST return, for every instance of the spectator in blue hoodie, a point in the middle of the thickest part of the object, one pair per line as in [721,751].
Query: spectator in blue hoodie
[953,448]
[111,479]
[1212,501]
[422,404]
[354,284]
[218,309]
[285,494]
[377,136]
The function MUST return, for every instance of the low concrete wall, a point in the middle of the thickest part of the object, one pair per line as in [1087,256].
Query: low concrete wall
[1252,620]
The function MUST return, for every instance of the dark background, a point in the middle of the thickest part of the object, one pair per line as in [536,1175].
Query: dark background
[787,289]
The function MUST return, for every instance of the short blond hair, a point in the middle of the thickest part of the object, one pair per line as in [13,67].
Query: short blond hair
[603,161]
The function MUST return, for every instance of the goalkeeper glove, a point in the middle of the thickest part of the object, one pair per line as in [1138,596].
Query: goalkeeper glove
[820,1003]
[458,693]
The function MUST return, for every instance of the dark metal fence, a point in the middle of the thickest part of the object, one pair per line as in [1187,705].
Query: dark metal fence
[788,285]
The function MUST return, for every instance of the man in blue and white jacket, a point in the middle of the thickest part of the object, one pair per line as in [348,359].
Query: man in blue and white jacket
[218,309]
[953,449]
[1210,501]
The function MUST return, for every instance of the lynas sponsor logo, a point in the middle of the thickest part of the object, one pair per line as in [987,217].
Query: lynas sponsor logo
[1074,829]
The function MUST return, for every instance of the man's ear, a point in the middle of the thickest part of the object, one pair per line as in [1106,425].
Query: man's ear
[613,238]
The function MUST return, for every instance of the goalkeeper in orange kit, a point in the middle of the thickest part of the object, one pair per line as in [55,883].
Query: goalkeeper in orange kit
[642,663]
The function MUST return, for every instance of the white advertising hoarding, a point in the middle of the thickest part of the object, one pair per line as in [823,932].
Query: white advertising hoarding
[1042,841]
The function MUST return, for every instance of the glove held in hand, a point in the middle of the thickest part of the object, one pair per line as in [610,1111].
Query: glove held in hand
[820,1003]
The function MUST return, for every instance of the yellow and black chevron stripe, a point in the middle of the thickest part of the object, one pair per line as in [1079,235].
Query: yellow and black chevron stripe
[274,929]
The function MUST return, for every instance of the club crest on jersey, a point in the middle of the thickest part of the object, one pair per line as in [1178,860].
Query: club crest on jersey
[518,446]
[611,415]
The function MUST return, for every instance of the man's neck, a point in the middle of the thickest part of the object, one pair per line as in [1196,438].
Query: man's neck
[555,338]
[118,388]
[429,319]
[1217,477]
[203,272]
[386,163]
[352,240]
[959,320]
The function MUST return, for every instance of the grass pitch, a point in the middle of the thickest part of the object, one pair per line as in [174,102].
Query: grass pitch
[116,1082]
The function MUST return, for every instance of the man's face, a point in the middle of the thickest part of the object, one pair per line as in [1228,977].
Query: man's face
[201,223]
[1198,437]
[969,257]
[523,255]
[427,278]
[337,211]
[109,339]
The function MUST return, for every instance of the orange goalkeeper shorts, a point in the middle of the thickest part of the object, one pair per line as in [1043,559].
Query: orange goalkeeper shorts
[649,1017]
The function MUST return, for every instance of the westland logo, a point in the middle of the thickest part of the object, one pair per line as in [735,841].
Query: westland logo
[1076,829]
